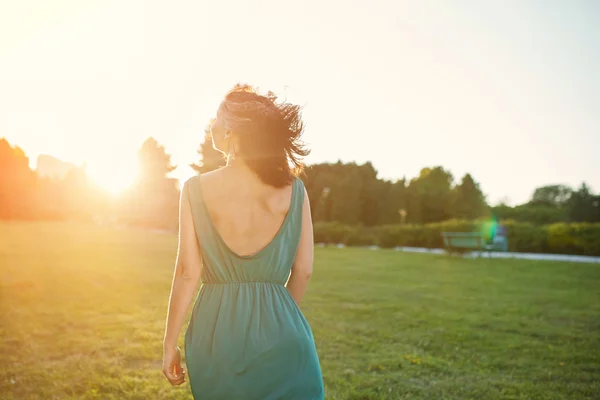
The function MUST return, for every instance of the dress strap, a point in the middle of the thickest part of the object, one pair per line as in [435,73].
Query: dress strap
[199,211]
[297,204]
[299,194]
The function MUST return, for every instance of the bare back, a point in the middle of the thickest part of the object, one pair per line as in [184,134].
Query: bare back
[246,212]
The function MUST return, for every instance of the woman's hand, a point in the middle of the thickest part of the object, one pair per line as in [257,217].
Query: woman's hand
[172,365]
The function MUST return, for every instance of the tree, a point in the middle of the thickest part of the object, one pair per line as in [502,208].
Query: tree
[318,180]
[373,196]
[583,206]
[153,199]
[17,183]
[430,196]
[548,205]
[552,195]
[154,162]
[346,194]
[468,200]
[392,201]
[210,159]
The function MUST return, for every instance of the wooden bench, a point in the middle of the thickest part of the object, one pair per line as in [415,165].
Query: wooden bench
[461,242]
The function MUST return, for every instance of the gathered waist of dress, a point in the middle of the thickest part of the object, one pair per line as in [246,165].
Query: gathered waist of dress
[244,283]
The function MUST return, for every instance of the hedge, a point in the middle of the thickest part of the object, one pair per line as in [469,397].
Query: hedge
[560,238]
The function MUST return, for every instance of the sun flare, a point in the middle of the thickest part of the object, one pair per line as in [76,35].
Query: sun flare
[113,181]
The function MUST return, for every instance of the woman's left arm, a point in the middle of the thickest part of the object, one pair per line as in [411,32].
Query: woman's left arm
[184,286]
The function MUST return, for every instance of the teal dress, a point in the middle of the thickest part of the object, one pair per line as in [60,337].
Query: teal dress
[247,338]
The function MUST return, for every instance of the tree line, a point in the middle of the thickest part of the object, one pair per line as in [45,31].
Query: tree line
[352,194]
[345,193]
[151,201]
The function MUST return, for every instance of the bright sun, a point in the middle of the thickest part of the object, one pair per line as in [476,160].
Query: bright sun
[113,180]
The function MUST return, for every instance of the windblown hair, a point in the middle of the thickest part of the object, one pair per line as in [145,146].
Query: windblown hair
[269,134]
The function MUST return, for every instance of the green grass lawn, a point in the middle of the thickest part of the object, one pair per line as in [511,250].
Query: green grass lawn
[82,313]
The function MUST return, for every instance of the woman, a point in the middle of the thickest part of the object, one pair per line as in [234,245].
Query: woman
[245,232]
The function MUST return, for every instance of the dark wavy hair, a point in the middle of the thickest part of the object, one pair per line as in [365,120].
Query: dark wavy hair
[270,141]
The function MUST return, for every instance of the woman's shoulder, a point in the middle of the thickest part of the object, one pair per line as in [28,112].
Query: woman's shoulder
[191,180]
[189,185]
[203,177]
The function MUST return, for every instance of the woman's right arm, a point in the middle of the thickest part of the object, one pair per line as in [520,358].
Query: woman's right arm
[303,263]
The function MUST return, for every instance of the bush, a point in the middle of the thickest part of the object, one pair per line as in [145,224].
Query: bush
[334,233]
[331,232]
[429,236]
[359,236]
[524,237]
[561,238]
[576,238]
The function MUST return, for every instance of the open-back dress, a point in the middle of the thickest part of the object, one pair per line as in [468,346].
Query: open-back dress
[247,338]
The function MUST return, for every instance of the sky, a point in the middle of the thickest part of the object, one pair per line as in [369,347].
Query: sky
[508,91]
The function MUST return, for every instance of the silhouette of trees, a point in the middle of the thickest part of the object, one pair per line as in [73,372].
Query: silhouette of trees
[153,199]
[392,202]
[353,194]
[338,192]
[210,159]
[555,203]
[552,195]
[468,200]
[25,195]
[344,193]
[583,205]
[430,196]
[154,162]
[17,183]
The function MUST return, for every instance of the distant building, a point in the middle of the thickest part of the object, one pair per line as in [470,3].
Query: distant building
[51,167]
